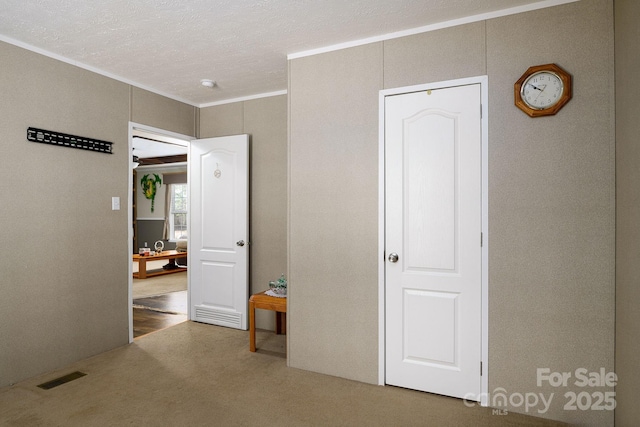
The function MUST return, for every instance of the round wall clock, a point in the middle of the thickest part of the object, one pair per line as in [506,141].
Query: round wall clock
[543,90]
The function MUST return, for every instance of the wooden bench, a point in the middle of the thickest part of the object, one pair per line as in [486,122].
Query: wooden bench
[266,302]
[168,255]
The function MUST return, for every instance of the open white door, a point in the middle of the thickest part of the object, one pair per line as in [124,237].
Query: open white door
[433,225]
[219,231]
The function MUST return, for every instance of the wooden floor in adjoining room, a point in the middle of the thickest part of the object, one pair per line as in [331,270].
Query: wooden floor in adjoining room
[158,303]
[159,312]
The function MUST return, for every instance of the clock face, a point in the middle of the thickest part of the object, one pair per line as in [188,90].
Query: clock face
[542,90]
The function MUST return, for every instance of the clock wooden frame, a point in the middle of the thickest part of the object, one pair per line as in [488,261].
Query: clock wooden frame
[564,98]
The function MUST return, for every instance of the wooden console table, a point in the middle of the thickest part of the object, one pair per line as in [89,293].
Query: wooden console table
[168,255]
[266,302]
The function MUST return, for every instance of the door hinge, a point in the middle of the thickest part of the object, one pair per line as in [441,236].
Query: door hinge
[480,368]
[480,110]
[481,240]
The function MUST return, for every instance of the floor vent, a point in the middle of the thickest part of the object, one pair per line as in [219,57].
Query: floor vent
[62,380]
[218,317]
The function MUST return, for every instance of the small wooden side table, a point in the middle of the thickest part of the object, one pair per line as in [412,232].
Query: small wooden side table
[266,302]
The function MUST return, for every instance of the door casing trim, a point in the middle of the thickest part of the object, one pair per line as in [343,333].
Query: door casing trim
[484,96]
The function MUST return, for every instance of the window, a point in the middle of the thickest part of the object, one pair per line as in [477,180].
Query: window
[178,213]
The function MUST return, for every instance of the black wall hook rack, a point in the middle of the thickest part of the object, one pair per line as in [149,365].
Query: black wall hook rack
[66,140]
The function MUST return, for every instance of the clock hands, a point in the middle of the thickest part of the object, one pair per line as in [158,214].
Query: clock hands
[540,88]
[536,87]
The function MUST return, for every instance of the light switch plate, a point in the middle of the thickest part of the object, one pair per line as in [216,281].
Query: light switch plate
[115,203]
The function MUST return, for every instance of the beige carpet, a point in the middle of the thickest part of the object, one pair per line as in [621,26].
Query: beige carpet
[159,285]
[193,374]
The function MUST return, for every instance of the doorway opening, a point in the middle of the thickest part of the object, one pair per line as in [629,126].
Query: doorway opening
[158,280]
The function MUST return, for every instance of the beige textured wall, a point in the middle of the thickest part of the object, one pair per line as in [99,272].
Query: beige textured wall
[551,198]
[60,303]
[333,224]
[421,58]
[61,299]
[265,120]
[167,114]
[628,211]
[222,120]
[552,206]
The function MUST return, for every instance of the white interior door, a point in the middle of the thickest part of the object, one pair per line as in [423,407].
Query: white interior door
[433,225]
[219,230]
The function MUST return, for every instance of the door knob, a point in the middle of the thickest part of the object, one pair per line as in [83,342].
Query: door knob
[393,257]
[240,243]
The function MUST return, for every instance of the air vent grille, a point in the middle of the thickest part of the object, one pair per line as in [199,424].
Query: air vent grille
[218,317]
[62,380]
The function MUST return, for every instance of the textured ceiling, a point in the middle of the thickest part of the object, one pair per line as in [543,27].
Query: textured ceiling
[168,46]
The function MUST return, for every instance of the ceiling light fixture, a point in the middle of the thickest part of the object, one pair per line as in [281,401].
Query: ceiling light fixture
[207,83]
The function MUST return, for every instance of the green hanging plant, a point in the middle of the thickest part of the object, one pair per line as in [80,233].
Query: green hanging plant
[149,187]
